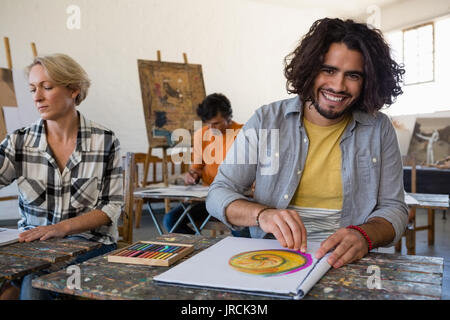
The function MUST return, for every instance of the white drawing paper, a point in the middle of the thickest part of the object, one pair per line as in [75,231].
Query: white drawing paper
[211,269]
[8,236]
[176,191]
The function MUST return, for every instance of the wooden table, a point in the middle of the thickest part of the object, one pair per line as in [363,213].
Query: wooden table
[431,202]
[19,259]
[402,277]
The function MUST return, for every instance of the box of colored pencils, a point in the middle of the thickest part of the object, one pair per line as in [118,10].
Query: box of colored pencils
[151,253]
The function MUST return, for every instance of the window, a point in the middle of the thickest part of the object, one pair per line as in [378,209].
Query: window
[418,54]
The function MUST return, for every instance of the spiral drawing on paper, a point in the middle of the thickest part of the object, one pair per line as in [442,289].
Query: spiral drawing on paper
[270,262]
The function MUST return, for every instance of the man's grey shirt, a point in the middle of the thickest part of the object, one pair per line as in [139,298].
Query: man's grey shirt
[271,151]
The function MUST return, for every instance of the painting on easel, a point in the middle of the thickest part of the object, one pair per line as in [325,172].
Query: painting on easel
[171,93]
[430,142]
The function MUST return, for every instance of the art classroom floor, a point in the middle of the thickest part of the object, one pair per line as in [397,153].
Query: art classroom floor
[441,247]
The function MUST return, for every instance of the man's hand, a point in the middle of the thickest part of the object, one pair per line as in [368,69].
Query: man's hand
[43,233]
[286,226]
[191,177]
[350,245]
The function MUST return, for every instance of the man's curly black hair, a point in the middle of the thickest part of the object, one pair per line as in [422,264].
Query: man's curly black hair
[382,75]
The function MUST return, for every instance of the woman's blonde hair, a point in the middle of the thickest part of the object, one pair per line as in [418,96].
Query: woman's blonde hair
[64,71]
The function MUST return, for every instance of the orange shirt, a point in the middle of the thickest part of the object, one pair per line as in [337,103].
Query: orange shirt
[210,149]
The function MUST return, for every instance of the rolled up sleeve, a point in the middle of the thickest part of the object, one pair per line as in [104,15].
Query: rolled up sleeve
[391,195]
[7,169]
[111,195]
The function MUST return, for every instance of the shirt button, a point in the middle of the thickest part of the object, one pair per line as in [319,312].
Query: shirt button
[305,140]
[277,154]
[286,196]
[299,172]
[374,160]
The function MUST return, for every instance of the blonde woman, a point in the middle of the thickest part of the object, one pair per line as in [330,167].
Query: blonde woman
[67,167]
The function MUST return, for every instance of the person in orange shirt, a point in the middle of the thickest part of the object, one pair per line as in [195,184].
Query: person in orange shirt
[211,144]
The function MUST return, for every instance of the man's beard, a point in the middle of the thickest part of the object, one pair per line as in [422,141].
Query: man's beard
[330,114]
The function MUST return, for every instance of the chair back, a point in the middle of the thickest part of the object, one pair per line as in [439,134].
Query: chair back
[129,174]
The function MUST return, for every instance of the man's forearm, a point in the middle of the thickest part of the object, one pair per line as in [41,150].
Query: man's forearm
[243,213]
[380,231]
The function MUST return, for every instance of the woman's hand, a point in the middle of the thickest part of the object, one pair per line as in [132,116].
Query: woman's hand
[43,233]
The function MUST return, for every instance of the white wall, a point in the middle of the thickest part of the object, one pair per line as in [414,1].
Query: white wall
[419,100]
[407,13]
[240,44]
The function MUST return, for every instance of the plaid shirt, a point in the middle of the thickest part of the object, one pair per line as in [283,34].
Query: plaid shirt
[92,178]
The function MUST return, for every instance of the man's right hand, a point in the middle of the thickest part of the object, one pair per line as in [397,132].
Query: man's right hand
[191,177]
[287,227]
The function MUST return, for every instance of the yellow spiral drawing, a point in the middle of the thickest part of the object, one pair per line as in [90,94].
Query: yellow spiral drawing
[270,262]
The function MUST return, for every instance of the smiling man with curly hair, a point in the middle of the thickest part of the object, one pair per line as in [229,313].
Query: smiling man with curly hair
[340,178]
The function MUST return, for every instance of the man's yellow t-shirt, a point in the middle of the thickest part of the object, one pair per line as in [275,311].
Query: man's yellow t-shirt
[321,182]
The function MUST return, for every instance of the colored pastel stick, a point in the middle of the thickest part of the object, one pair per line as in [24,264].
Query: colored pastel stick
[119,253]
[173,249]
[124,253]
[165,256]
[158,255]
[179,249]
[136,253]
[152,254]
[132,253]
[133,247]
[161,256]
[139,247]
[127,253]
[145,255]
[162,249]
[157,248]
[168,256]
[150,247]
[139,254]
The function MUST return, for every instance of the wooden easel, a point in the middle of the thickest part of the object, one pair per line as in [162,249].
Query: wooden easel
[164,150]
[34,50]
[2,117]
[3,131]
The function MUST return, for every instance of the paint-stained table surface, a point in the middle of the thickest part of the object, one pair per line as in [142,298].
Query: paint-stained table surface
[402,277]
[21,258]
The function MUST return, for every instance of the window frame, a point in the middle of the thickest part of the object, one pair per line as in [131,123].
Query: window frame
[432,52]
